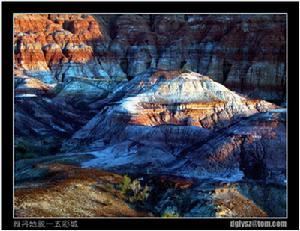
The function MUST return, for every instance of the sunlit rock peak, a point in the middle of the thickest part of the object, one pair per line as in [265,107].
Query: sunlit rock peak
[178,97]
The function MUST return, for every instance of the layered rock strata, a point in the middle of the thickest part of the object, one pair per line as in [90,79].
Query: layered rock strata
[244,52]
[215,142]
[58,48]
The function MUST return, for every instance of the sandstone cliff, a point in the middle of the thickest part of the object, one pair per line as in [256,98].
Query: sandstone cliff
[244,52]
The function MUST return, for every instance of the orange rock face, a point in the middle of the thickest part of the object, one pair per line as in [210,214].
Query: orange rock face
[30,22]
[186,114]
[41,39]
[245,53]
[53,54]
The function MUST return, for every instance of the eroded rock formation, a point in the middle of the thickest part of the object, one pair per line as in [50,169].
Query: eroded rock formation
[244,52]
[210,131]
[56,48]
[177,99]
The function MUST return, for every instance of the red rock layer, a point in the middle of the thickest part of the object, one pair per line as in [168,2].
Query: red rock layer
[43,40]
[243,52]
[202,114]
[195,114]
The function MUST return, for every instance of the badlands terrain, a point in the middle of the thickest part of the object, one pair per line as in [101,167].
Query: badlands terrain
[149,115]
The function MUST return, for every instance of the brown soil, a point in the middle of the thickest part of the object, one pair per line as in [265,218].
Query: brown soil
[74,192]
[231,203]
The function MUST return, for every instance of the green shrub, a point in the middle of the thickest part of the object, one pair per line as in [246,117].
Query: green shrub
[169,214]
[133,190]
[140,195]
[125,185]
[170,211]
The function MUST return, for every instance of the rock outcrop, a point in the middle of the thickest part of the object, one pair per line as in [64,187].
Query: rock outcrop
[42,123]
[244,52]
[196,128]
[231,203]
[57,48]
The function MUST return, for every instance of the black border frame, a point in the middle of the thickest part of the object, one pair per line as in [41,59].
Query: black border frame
[8,8]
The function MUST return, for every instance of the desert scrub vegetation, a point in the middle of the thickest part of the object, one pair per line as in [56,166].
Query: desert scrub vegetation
[168,214]
[170,211]
[133,190]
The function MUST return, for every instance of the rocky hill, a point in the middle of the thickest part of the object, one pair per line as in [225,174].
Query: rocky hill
[244,52]
[184,123]
[187,105]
